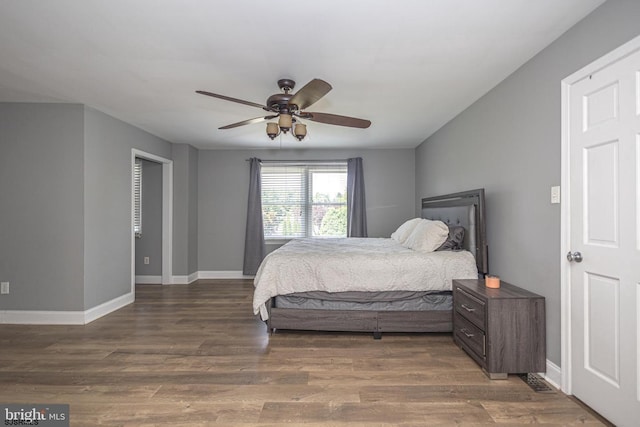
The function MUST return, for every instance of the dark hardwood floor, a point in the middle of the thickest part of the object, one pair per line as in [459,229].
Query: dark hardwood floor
[195,355]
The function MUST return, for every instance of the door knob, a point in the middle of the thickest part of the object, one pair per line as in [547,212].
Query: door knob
[574,256]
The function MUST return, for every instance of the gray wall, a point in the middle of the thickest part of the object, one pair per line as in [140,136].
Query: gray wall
[223,190]
[107,203]
[65,225]
[193,232]
[185,209]
[150,242]
[41,206]
[509,143]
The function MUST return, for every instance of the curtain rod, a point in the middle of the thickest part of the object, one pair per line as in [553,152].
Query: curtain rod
[300,161]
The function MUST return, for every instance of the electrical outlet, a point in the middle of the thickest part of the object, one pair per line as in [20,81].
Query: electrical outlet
[4,288]
[555,194]
[146,260]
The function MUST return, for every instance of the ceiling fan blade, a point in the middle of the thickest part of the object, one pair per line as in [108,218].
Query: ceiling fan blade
[248,122]
[310,93]
[334,119]
[228,98]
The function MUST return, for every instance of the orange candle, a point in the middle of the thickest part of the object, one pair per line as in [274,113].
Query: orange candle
[492,282]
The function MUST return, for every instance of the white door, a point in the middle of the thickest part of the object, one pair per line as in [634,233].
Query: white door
[604,159]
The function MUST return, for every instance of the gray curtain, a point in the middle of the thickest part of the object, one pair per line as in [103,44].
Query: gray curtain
[254,248]
[356,206]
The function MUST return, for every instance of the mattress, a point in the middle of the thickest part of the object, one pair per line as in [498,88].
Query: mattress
[356,264]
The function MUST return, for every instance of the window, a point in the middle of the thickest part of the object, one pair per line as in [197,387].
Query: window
[137,198]
[304,200]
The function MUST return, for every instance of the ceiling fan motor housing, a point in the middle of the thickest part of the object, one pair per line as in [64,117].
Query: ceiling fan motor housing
[280,103]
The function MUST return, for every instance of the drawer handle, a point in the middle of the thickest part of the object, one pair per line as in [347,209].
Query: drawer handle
[469,309]
[466,333]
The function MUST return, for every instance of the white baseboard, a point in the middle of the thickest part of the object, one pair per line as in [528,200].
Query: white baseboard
[553,375]
[108,307]
[148,280]
[184,280]
[222,275]
[46,317]
[41,317]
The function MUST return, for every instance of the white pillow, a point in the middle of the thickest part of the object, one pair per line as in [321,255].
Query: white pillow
[401,234]
[427,236]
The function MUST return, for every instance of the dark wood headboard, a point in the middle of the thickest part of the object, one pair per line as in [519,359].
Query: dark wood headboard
[467,210]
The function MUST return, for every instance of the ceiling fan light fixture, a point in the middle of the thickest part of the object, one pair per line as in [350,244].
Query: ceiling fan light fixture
[285,122]
[300,131]
[273,130]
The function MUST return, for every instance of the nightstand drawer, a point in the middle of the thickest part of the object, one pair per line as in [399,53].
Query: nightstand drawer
[470,307]
[469,335]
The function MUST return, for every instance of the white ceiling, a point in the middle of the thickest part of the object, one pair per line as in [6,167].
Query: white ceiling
[409,66]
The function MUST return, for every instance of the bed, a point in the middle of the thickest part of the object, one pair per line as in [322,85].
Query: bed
[318,284]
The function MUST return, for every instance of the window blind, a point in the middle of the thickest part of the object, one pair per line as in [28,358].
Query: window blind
[137,198]
[304,200]
[284,189]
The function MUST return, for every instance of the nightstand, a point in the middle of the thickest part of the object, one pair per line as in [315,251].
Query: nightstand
[502,329]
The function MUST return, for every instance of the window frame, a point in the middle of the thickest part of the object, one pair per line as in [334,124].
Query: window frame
[306,188]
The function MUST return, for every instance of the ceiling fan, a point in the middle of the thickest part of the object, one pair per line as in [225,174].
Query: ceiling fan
[287,107]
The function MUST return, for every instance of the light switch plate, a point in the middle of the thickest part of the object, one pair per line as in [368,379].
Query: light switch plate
[4,288]
[555,194]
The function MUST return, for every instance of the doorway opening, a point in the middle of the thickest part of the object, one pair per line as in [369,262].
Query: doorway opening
[148,222]
[165,221]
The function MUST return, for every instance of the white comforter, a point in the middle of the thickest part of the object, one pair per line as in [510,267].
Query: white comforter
[356,264]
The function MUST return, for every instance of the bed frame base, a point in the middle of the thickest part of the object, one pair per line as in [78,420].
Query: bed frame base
[376,322]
